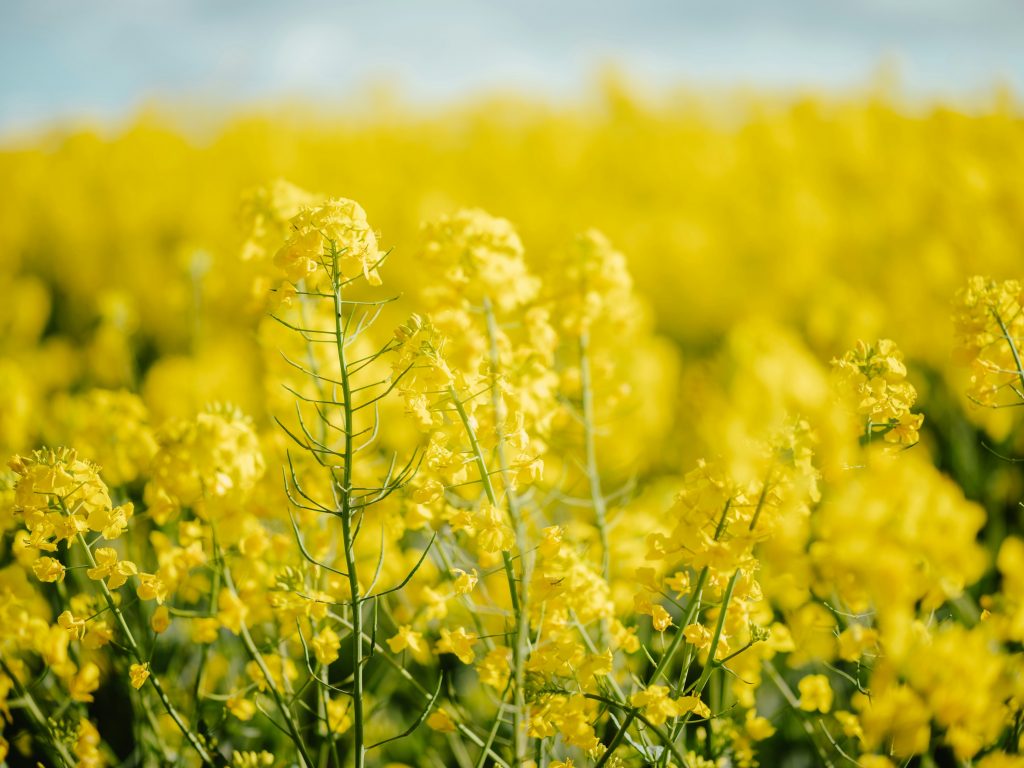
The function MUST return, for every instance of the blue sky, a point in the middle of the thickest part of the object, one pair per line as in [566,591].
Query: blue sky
[103,59]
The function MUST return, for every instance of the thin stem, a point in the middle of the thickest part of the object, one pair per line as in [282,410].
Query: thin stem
[205,654]
[346,511]
[593,472]
[485,480]
[257,657]
[520,650]
[692,608]
[662,736]
[711,664]
[794,703]
[136,652]
[37,714]
[617,739]
[1013,347]
[464,729]
[723,609]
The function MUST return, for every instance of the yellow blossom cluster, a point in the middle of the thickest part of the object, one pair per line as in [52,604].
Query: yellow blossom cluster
[989,322]
[873,378]
[516,491]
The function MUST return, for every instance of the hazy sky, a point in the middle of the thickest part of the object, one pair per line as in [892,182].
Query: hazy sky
[103,58]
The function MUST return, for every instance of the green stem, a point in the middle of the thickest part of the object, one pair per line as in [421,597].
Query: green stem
[761,499]
[136,652]
[256,656]
[1013,347]
[711,665]
[794,703]
[346,511]
[518,660]
[493,733]
[590,447]
[723,610]
[382,653]
[520,650]
[205,655]
[37,714]
[485,479]
[662,736]
[692,608]
[688,617]
[617,739]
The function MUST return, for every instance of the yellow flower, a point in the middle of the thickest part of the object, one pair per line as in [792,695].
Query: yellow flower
[464,582]
[815,693]
[460,642]
[625,637]
[151,587]
[855,640]
[570,716]
[49,480]
[240,707]
[697,635]
[429,491]
[679,583]
[82,685]
[493,530]
[205,630]
[989,325]
[873,380]
[75,627]
[109,427]
[339,717]
[479,256]
[441,721]
[693,704]
[850,724]
[596,664]
[339,224]
[110,522]
[98,634]
[407,637]
[656,705]
[279,669]
[240,759]
[495,667]
[160,620]
[48,569]
[661,619]
[758,728]
[326,645]
[139,674]
[231,611]
[108,567]
[208,462]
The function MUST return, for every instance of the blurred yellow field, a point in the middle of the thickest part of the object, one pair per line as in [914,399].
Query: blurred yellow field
[672,431]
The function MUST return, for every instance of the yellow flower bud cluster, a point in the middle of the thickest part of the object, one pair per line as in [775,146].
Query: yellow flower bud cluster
[61,497]
[872,379]
[336,229]
[989,320]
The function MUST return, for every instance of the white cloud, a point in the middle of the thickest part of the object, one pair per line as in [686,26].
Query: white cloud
[60,57]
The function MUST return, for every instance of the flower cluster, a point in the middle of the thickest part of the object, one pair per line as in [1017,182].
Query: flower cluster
[989,322]
[873,379]
[499,518]
[337,225]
